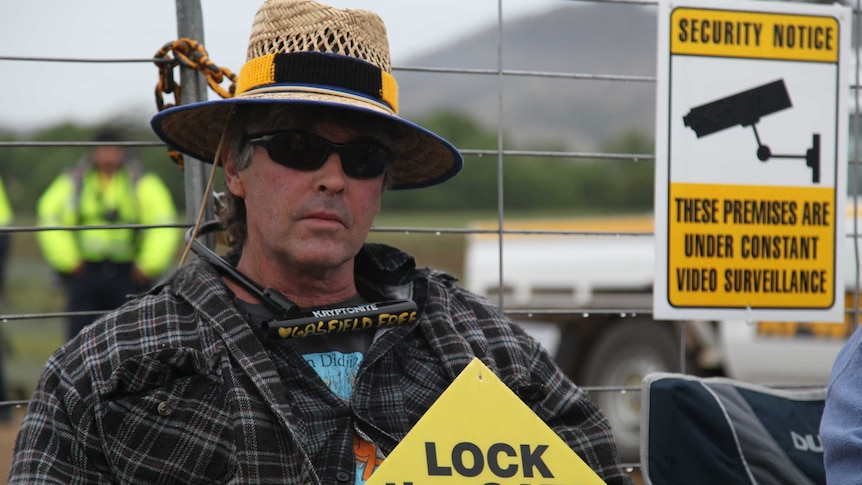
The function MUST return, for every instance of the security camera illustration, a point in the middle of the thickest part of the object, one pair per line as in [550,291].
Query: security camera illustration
[745,109]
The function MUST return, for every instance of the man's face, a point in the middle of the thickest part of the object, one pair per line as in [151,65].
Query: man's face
[313,221]
[107,159]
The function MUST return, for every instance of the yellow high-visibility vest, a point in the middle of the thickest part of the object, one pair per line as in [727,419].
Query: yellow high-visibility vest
[82,197]
[6,213]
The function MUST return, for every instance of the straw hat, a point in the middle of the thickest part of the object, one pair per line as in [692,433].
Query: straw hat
[304,52]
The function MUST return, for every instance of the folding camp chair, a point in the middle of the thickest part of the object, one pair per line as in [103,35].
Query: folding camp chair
[717,431]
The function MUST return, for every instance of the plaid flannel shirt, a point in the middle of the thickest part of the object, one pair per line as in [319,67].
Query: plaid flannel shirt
[177,387]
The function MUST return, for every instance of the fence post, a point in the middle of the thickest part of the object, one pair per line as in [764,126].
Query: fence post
[190,24]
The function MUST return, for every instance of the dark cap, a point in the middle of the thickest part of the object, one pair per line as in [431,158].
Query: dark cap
[108,134]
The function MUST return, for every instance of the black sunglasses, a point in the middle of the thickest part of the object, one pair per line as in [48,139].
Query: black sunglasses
[306,151]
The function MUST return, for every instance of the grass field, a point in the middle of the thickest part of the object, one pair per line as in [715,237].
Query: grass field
[32,290]
[28,340]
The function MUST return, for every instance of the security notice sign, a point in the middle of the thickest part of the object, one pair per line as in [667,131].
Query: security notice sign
[751,160]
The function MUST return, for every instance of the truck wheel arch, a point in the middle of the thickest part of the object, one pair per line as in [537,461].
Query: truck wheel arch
[621,353]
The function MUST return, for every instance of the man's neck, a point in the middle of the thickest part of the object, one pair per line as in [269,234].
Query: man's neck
[305,288]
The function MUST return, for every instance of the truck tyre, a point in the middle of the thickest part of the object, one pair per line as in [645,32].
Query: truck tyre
[621,356]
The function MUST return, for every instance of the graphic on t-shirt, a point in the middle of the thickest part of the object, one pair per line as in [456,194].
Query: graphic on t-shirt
[366,459]
[338,370]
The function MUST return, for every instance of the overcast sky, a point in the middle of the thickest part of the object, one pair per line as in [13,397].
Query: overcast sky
[33,94]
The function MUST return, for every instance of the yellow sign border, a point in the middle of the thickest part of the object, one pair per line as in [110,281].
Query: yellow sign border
[725,229]
[753,35]
[479,412]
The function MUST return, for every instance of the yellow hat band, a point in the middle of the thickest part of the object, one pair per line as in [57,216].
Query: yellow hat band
[320,69]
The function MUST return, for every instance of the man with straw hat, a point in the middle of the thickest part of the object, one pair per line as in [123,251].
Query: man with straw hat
[307,354]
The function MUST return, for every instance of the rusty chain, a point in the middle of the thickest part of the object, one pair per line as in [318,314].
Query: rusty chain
[188,53]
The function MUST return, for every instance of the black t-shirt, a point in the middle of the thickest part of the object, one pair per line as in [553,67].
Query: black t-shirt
[333,362]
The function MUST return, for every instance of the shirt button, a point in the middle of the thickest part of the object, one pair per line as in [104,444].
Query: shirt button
[342,476]
[165,408]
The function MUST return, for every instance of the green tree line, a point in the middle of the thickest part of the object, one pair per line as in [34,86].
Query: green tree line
[27,171]
[530,184]
[535,183]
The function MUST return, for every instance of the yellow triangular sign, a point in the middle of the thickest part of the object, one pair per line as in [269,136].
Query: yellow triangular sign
[480,432]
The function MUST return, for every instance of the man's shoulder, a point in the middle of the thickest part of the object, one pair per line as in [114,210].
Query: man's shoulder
[391,265]
[192,292]
[160,306]
[384,260]
[175,314]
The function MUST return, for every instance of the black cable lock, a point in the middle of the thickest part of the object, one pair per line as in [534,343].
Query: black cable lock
[345,319]
[292,322]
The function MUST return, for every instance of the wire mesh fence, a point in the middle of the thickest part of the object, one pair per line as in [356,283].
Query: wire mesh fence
[606,341]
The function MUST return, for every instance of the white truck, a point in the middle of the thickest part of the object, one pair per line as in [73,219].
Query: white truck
[584,289]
